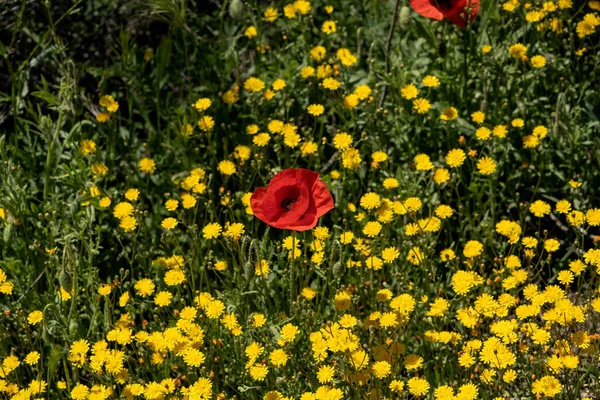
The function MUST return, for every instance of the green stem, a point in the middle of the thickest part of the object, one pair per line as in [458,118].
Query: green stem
[293,272]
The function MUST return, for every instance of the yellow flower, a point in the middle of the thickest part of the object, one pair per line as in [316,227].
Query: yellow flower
[538,61]
[169,223]
[472,249]
[261,140]
[592,216]
[316,109]
[390,183]
[308,148]
[418,386]
[565,277]
[258,372]
[455,158]
[431,81]
[262,268]
[483,133]
[517,123]
[307,72]
[370,201]
[421,106]
[206,123]
[132,194]
[441,175]
[563,206]
[104,202]
[104,289]
[423,162]
[230,97]
[362,92]
[447,255]
[413,361]
[478,117]
[443,211]
[379,156]
[409,92]
[346,57]
[32,358]
[308,293]
[128,223]
[124,299]
[227,167]
[233,231]
[372,229]
[351,101]
[102,117]
[342,301]
[381,369]
[539,208]
[258,320]
[486,166]
[415,256]
[202,104]
[108,102]
[250,32]
[144,287]
[317,53]
[518,51]
[187,201]
[163,299]
[278,84]
[211,231]
[329,27]
[291,139]
[271,14]
[253,84]
[342,141]
[80,392]
[551,245]
[147,165]
[171,204]
[35,317]
[449,114]
[87,147]
[500,131]
[331,84]
[278,357]
[547,386]
[325,374]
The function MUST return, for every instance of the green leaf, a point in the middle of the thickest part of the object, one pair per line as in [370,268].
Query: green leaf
[47,97]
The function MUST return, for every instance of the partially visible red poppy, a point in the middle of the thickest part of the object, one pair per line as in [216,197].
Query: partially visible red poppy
[294,199]
[452,10]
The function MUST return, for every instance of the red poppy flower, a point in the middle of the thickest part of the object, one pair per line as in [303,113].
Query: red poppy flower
[295,199]
[452,10]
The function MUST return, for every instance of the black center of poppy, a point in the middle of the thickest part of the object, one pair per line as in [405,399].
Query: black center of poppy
[443,3]
[287,203]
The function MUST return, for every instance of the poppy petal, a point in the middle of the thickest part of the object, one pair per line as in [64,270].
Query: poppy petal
[257,203]
[426,9]
[457,14]
[294,199]
[261,206]
[308,221]
[287,177]
[322,198]
[297,209]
